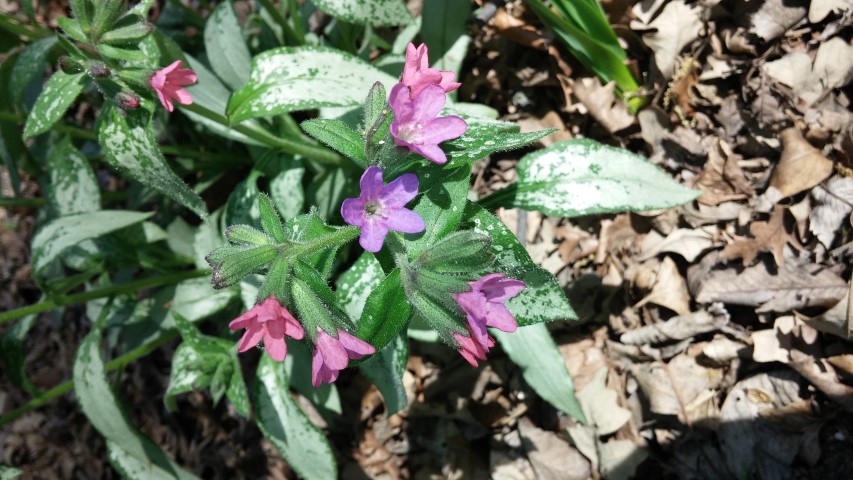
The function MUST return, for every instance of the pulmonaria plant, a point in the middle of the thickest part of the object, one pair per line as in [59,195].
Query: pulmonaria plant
[442,271]
[168,83]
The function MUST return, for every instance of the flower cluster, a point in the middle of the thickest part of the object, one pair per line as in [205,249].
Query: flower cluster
[168,83]
[271,322]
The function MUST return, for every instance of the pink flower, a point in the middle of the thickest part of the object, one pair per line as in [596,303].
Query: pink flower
[168,82]
[331,355]
[472,350]
[417,75]
[484,307]
[416,125]
[271,322]
[381,207]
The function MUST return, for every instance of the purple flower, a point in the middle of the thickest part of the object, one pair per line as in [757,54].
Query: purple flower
[472,350]
[417,75]
[381,207]
[331,355]
[271,322]
[416,125]
[484,306]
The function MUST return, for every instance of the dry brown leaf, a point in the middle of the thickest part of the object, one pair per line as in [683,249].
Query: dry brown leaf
[668,289]
[675,27]
[654,126]
[810,81]
[722,178]
[819,9]
[679,328]
[770,236]
[618,459]
[603,105]
[749,445]
[833,204]
[842,362]
[723,350]
[792,286]
[772,17]
[801,166]
[838,320]
[823,377]
[729,116]
[551,456]
[600,405]
[670,387]
[687,242]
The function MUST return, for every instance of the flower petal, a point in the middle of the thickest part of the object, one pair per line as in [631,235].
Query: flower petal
[428,104]
[183,76]
[182,96]
[441,129]
[433,153]
[498,316]
[334,355]
[352,209]
[498,288]
[171,67]
[316,367]
[401,104]
[373,234]
[403,220]
[401,191]
[254,334]
[356,347]
[274,341]
[371,183]
[447,81]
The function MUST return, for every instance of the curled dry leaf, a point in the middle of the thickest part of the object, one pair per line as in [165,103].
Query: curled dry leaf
[791,286]
[550,455]
[687,242]
[679,328]
[668,289]
[770,236]
[801,166]
[833,203]
[722,178]
[819,9]
[810,81]
[838,320]
[823,377]
[676,26]
[671,387]
[722,350]
[603,105]
[770,18]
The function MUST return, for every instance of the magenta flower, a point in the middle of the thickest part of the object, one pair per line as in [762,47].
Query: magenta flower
[472,350]
[416,124]
[168,81]
[269,321]
[381,207]
[484,306]
[417,75]
[331,355]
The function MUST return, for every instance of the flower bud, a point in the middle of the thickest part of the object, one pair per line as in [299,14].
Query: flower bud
[69,65]
[98,70]
[127,100]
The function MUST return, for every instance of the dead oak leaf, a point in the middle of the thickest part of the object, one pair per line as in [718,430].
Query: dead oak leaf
[770,236]
[722,179]
[801,165]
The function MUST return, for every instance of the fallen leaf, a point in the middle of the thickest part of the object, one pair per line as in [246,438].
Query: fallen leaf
[551,456]
[729,116]
[676,26]
[600,405]
[819,9]
[770,236]
[833,203]
[618,459]
[801,166]
[722,179]
[838,320]
[679,328]
[723,350]
[602,104]
[669,289]
[670,387]
[810,81]
[754,448]
[770,18]
[792,286]
[687,242]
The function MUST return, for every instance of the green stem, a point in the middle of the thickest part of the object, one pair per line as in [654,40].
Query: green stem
[338,237]
[67,386]
[289,32]
[22,202]
[59,127]
[313,152]
[83,297]
[500,198]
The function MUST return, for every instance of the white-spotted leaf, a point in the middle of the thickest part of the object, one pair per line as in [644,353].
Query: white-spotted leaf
[367,12]
[58,94]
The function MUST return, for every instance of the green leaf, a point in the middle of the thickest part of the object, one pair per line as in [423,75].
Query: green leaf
[315,301]
[356,283]
[9,473]
[58,94]
[481,140]
[386,312]
[131,452]
[584,177]
[202,362]
[542,366]
[270,221]
[129,145]
[339,136]
[131,55]
[282,422]
[385,370]
[73,28]
[287,79]
[287,192]
[73,186]
[542,299]
[53,238]
[328,189]
[30,63]
[441,208]
[459,252]
[443,26]
[226,48]
[367,12]
[13,356]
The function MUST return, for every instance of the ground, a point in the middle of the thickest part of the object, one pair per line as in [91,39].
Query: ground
[713,339]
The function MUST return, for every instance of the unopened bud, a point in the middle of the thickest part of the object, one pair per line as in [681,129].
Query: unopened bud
[127,100]
[99,70]
[69,65]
